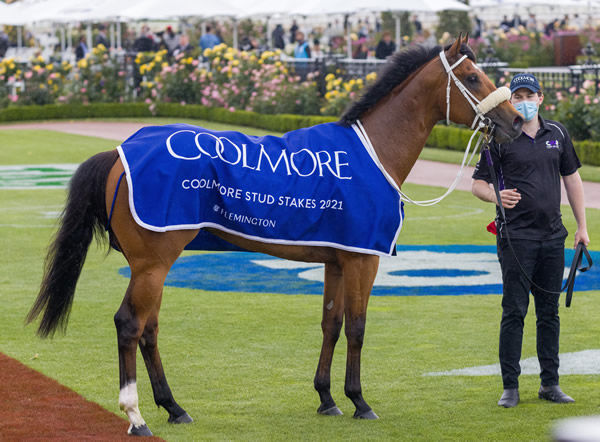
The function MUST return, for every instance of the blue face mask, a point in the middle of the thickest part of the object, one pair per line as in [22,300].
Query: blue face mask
[528,109]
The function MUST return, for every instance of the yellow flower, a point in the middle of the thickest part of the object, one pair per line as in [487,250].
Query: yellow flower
[42,86]
[164,65]
[49,81]
[372,76]
[235,62]
[216,60]
[207,52]
[329,77]
[11,66]
[50,66]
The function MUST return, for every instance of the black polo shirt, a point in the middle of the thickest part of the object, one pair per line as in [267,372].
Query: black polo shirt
[533,167]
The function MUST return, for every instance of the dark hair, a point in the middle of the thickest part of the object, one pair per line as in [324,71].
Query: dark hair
[398,68]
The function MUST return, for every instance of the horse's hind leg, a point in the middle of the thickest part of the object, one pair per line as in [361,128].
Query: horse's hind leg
[162,393]
[333,316]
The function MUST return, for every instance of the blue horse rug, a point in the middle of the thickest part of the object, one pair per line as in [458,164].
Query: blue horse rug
[319,186]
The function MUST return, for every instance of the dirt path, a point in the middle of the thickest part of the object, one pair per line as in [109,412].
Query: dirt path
[429,173]
[37,408]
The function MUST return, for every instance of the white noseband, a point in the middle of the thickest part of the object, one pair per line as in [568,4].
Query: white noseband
[482,107]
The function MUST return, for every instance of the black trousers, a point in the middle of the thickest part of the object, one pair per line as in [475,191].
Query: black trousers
[544,263]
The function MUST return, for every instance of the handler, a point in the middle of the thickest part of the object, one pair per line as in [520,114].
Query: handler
[529,171]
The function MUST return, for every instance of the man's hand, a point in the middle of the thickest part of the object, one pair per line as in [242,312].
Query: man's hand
[581,236]
[510,198]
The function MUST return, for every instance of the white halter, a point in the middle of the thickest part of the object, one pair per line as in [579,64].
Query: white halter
[480,107]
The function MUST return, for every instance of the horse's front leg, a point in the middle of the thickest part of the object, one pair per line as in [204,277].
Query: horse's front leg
[333,316]
[359,273]
[160,388]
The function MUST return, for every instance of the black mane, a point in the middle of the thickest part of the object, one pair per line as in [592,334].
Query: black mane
[397,69]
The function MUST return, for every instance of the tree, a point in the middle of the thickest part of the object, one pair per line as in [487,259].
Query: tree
[453,22]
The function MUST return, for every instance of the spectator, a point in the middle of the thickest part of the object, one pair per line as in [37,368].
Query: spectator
[302,49]
[145,42]
[531,24]
[417,25]
[3,44]
[362,51]
[277,37]
[551,27]
[101,38]
[564,23]
[184,46]
[81,50]
[170,40]
[506,24]
[516,21]
[249,43]
[363,30]
[316,51]
[208,40]
[477,27]
[293,31]
[385,47]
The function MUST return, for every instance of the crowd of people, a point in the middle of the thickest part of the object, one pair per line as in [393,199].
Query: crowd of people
[369,39]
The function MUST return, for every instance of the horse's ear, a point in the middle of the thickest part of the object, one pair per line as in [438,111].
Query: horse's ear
[455,48]
[466,40]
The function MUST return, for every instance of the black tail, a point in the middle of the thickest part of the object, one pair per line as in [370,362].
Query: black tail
[83,218]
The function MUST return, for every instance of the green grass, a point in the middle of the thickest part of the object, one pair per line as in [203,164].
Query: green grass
[242,364]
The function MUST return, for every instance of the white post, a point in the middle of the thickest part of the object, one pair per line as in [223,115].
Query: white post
[119,46]
[269,36]
[19,39]
[398,34]
[63,43]
[235,33]
[90,43]
[113,44]
[349,40]
[69,38]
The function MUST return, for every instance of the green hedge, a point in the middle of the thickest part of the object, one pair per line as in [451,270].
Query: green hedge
[442,137]
[276,123]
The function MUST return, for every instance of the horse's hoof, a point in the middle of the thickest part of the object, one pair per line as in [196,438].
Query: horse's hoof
[331,411]
[183,419]
[142,430]
[369,414]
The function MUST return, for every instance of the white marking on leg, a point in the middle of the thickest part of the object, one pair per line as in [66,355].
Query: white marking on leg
[128,401]
[330,305]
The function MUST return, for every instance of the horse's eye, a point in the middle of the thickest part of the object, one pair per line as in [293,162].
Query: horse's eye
[473,79]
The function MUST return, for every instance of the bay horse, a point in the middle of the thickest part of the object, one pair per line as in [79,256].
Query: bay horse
[397,112]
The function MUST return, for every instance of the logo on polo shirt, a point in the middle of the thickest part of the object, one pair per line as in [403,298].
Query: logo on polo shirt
[552,144]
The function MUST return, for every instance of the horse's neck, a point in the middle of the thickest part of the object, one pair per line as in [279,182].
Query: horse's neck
[398,128]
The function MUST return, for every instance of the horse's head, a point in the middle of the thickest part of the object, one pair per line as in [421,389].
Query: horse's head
[471,98]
